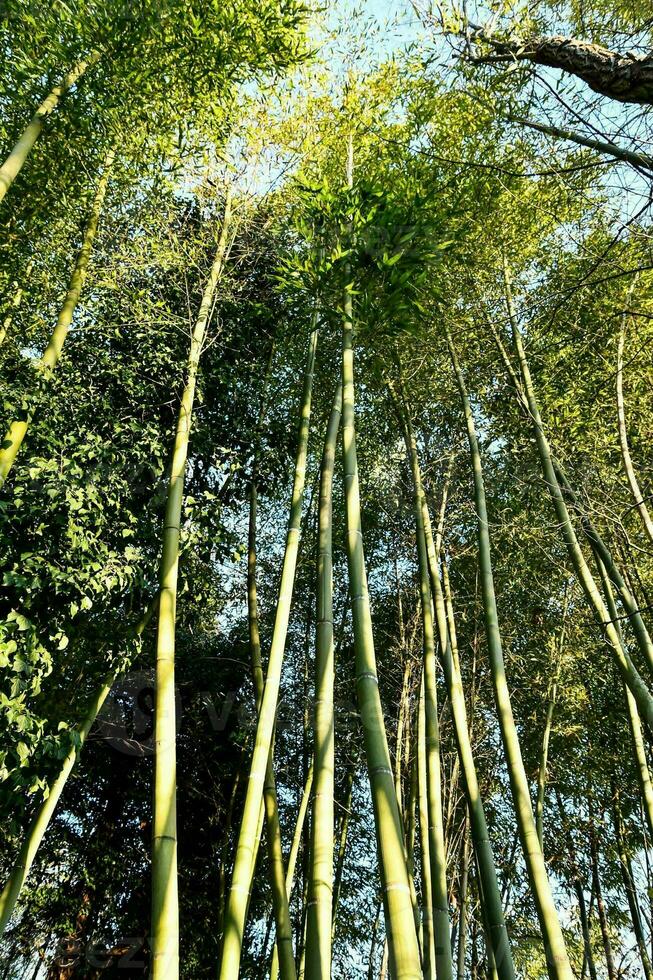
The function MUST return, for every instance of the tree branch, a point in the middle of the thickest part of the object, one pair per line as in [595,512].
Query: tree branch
[639,160]
[625,77]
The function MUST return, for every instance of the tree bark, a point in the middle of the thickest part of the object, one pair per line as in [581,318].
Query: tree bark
[624,77]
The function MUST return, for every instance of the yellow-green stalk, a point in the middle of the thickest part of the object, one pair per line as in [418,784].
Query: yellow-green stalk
[165,912]
[320,897]
[247,843]
[18,155]
[15,434]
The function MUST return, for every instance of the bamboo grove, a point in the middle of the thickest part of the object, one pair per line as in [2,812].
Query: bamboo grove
[326,632]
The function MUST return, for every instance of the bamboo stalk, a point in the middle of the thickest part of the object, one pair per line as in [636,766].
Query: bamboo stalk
[165,912]
[428,943]
[243,864]
[294,853]
[320,897]
[270,802]
[623,660]
[441,927]
[552,937]
[41,819]
[400,925]
[18,155]
[546,736]
[498,935]
[634,722]
[626,458]
[629,885]
[17,430]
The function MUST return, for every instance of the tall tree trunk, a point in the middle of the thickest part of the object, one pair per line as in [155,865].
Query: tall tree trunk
[14,162]
[400,925]
[641,761]
[600,548]
[243,868]
[588,958]
[546,737]
[342,849]
[548,725]
[15,434]
[402,717]
[462,907]
[165,912]
[224,851]
[375,929]
[409,815]
[320,896]
[554,944]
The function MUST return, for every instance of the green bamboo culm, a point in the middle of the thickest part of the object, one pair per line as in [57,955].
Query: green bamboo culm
[440,895]
[165,913]
[557,647]
[400,923]
[247,839]
[45,811]
[634,721]
[600,548]
[544,758]
[561,492]
[270,802]
[490,894]
[19,153]
[552,937]
[294,854]
[626,458]
[428,933]
[320,897]
[48,361]
[16,301]
[552,477]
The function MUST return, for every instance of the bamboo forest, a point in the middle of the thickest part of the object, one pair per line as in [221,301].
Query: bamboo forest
[326,489]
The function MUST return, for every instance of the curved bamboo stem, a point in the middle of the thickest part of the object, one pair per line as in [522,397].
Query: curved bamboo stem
[18,155]
[553,939]
[17,430]
[165,912]
[45,811]
[498,936]
[589,585]
[626,458]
